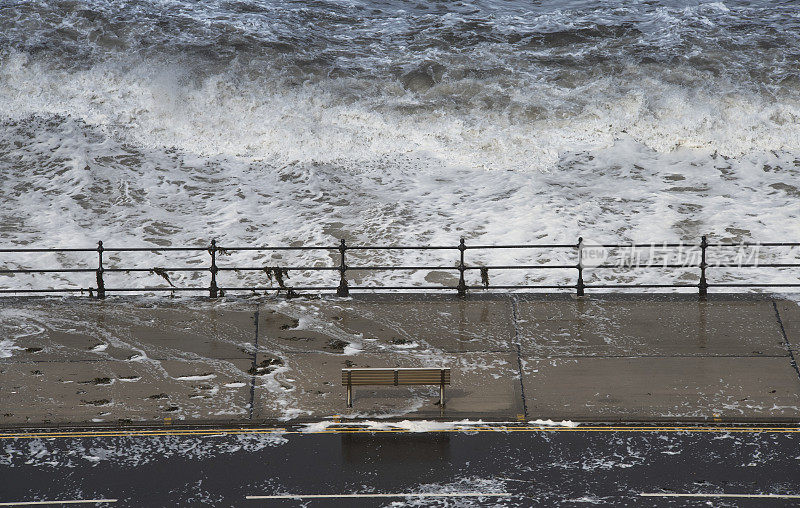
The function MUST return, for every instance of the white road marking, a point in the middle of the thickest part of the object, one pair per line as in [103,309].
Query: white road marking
[401,494]
[711,494]
[64,501]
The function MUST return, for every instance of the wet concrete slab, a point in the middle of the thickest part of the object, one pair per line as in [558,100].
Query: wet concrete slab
[618,327]
[114,391]
[309,385]
[451,325]
[87,330]
[662,388]
[789,313]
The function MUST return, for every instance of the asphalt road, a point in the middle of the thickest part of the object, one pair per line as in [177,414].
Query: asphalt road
[561,467]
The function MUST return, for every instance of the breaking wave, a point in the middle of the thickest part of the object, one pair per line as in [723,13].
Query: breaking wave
[168,122]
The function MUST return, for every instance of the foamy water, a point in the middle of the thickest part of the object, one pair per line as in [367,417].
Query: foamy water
[268,122]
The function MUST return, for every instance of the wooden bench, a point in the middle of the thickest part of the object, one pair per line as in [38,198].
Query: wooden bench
[395,377]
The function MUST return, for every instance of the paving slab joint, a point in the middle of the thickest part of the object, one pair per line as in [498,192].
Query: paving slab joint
[786,339]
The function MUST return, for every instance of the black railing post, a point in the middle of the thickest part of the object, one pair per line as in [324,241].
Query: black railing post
[342,290]
[462,284]
[213,290]
[101,287]
[580,286]
[703,285]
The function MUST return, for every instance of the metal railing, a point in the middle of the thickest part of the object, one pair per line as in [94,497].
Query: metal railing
[279,274]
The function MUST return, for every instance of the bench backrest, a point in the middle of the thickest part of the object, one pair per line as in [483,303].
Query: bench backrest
[399,376]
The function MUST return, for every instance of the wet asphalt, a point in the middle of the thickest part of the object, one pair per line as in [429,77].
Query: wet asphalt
[540,468]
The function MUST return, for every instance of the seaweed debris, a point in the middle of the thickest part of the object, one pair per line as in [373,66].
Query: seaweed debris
[163,273]
[485,277]
[278,274]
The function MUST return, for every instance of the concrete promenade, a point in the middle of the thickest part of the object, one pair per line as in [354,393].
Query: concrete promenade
[131,360]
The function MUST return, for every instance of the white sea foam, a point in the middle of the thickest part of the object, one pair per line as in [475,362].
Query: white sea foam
[132,452]
[7,348]
[205,377]
[352,349]
[551,423]
[403,425]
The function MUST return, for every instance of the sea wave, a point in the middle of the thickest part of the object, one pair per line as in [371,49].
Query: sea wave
[168,122]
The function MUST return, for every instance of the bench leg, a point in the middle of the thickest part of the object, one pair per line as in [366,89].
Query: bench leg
[441,395]
[349,396]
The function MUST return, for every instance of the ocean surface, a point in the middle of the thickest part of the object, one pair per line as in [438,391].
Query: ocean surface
[167,122]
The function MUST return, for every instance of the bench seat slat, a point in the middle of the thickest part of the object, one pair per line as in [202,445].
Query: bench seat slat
[399,376]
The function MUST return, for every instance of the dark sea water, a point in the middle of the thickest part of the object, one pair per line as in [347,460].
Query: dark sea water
[269,122]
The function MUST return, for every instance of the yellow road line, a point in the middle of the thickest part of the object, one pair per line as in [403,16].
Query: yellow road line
[150,431]
[365,430]
[136,433]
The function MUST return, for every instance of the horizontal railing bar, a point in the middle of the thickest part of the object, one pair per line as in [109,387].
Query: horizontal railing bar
[365,268]
[524,286]
[520,267]
[522,246]
[53,270]
[271,288]
[401,247]
[778,285]
[610,286]
[45,249]
[355,268]
[376,288]
[155,249]
[627,267]
[52,290]
[263,268]
[331,288]
[394,247]
[753,265]
[158,288]
[176,269]
[412,288]
[755,244]
[280,247]
[349,268]
[573,286]
[654,246]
